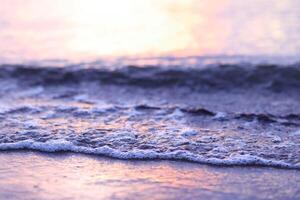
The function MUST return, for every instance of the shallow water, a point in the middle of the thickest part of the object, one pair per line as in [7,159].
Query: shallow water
[70,176]
[224,115]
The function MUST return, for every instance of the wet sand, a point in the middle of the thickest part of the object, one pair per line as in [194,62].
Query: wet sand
[34,175]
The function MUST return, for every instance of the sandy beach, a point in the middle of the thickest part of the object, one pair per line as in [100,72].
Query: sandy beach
[34,175]
[172,99]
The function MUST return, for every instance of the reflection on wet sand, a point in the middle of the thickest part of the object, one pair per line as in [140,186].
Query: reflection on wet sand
[49,176]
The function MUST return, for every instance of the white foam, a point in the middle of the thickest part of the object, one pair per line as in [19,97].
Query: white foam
[296,133]
[3,109]
[49,115]
[276,139]
[81,97]
[31,124]
[189,133]
[220,115]
[31,92]
[177,113]
[63,145]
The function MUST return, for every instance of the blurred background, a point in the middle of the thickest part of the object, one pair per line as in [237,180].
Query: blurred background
[91,29]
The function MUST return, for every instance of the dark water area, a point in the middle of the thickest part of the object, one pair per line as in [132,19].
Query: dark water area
[271,77]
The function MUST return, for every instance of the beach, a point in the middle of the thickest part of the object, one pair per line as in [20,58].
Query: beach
[34,175]
[193,99]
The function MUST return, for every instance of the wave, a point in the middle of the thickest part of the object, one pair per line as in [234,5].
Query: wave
[287,120]
[222,114]
[63,146]
[274,77]
[153,132]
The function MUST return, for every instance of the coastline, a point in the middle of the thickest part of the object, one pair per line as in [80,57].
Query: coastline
[78,176]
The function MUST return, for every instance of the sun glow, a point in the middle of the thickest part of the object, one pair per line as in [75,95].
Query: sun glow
[125,28]
[84,29]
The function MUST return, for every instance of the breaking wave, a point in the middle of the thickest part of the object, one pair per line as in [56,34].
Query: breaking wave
[276,78]
[232,114]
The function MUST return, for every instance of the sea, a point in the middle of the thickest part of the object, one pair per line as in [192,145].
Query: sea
[210,81]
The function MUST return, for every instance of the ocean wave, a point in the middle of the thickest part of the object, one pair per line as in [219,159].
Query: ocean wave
[153,132]
[287,120]
[273,77]
[63,145]
[223,114]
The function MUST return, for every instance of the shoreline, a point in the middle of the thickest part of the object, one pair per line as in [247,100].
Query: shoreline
[151,159]
[78,176]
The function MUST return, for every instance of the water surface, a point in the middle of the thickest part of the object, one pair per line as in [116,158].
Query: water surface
[81,30]
[243,113]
